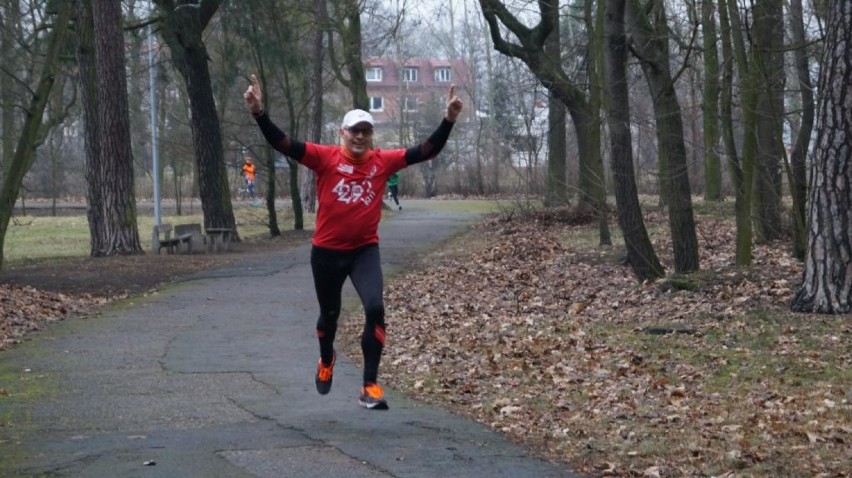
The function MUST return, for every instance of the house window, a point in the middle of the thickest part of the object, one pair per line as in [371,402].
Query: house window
[376,103]
[410,104]
[443,75]
[374,73]
[409,73]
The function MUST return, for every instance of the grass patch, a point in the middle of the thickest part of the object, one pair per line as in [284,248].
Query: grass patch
[34,238]
[20,387]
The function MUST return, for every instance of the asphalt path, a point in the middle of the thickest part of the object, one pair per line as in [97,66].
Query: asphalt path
[213,377]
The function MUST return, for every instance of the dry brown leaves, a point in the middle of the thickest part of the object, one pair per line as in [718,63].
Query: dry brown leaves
[25,309]
[562,350]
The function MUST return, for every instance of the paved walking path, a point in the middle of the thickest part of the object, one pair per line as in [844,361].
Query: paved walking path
[213,377]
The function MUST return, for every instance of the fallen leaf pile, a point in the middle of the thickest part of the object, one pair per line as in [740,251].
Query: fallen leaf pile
[25,309]
[560,348]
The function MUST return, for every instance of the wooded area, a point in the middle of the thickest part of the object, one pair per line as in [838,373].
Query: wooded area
[730,99]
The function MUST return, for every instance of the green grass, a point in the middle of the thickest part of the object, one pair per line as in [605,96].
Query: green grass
[35,238]
[21,387]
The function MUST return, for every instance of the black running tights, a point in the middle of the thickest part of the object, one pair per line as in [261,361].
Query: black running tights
[363,267]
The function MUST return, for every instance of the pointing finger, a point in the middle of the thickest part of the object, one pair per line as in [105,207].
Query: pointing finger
[452,92]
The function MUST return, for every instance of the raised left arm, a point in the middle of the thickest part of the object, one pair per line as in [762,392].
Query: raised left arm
[436,141]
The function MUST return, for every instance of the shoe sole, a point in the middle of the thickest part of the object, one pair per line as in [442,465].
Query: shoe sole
[373,405]
[323,387]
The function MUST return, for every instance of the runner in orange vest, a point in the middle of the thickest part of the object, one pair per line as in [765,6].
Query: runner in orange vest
[248,174]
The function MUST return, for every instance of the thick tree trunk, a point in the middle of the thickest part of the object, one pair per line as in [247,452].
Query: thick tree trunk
[556,189]
[182,30]
[87,63]
[121,236]
[640,251]
[827,281]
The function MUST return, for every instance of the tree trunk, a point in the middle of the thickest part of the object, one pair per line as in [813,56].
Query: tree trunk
[710,106]
[315,127]
[749,79]
[121,236]
[30,132]
[769,61]
[800,149]
[8,49]
[597,87]
[726,106]
[650,39]
[348,26]
[556,189]
[87,62]
[182,29]
[827,282]
[640,251]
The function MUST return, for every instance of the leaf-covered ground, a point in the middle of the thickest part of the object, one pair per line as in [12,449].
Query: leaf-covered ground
[528,327]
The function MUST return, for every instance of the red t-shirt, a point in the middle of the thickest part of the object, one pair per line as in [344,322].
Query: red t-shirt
[350,195]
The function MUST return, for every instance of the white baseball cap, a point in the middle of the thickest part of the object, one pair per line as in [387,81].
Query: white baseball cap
[354,117]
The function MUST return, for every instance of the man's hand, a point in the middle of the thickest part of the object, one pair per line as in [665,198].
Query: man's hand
[454,105]
[253,97]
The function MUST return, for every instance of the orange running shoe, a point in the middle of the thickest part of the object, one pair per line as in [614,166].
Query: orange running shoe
[324,375]
[372,397]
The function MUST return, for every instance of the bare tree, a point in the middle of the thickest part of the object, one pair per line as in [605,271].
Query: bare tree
[710,104]
[749,81]
[121,235]
[33,131]
[768,43]
[556,187]
[349,69]
[88,79]
[181,26]
[800,148]
[530,49]
[649,29]
[11,24]
[827,282]
[640,251]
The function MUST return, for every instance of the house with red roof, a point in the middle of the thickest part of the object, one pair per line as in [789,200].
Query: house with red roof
[418,86]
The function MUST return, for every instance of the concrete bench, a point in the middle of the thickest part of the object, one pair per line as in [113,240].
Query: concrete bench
[197,239]
[171,244]
[219,238]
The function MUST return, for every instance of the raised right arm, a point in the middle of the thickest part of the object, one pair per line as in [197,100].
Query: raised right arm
[280,141]
[274,135]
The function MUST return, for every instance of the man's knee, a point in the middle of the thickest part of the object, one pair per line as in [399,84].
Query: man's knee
[327,319]
[375,313]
